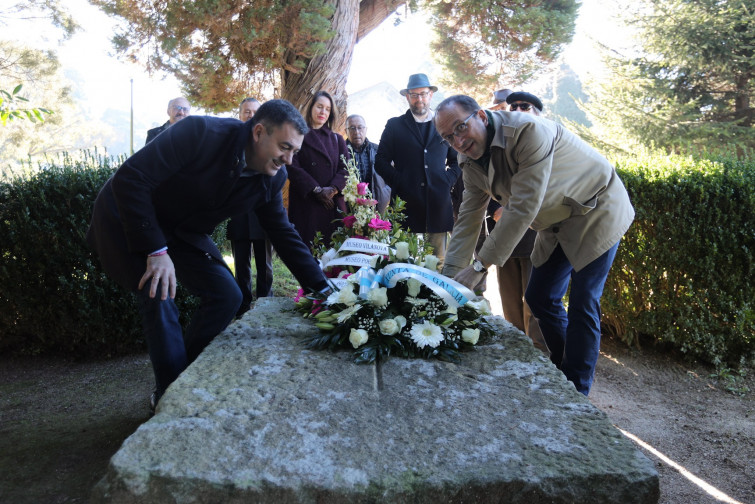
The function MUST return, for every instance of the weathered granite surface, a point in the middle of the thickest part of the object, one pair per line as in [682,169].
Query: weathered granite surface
[259,419]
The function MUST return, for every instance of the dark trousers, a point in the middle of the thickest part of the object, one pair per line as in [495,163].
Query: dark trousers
[574,338]
[170,350]
[263,261]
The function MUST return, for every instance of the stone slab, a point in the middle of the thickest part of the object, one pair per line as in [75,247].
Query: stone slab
[260,419]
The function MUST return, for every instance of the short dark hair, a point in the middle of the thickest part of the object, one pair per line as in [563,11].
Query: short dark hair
[332,118]
[467,104]
[274,113]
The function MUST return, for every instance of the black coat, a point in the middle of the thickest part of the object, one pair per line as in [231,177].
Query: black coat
[420,172]
[152,133]
[181,186]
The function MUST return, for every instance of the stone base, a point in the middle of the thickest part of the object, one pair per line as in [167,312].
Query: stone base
[260,419]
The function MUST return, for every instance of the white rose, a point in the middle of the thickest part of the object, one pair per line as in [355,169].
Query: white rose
[378,296]
[480,305]
[470,335]
[347,296]
[358,337]
[413,284]
[389,326]
[402,251]
[431,262]
[401,321]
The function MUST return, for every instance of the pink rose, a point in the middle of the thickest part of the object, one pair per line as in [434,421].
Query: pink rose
[376,223]
[349,221]
[362,188]
[366,202]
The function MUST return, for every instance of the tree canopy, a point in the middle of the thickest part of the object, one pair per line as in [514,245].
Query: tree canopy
[691,86]
[223,50]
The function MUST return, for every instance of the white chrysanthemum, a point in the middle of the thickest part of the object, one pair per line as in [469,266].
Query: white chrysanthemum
[358,337]
[348,313]
[470,335]
[427,334]
[431,262]
[402,251]
[413,285]
[481,305]
[378,296]
[389,326]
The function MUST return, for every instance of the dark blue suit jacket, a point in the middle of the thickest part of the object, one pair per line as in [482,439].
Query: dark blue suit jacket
[181,186]
[422,173]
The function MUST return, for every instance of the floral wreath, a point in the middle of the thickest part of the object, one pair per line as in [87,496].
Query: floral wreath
[388,297]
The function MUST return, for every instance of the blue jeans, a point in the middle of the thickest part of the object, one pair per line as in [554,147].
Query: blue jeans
[219,298]
[573,339]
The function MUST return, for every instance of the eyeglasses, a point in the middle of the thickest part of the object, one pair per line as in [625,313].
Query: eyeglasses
[459,130]
[524,107]
[356,128]
[179,108]
[414,96]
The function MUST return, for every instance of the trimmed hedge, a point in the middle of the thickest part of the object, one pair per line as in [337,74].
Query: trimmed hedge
[54,296]
[683,275]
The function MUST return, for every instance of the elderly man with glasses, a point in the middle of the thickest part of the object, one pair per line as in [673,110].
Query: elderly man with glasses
[548,179]
[178,108]
[419,167]
[364,153]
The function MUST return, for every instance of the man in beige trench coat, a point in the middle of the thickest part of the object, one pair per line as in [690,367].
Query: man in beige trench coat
[548,179]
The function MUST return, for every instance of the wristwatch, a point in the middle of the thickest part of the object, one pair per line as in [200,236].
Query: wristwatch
[479,267]
[317,190]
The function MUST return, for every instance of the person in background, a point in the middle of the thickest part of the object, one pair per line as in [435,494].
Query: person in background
[247,108]
[524,102]
[364,155]
[514,275]
[247,237]
[419,167]
[318,173]
[548,179]
[152,221]
[499,99]
[178,108]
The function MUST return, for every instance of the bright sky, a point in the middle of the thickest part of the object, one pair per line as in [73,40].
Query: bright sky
[389,54]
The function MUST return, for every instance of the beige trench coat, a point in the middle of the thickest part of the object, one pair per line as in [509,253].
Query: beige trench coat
[548,179]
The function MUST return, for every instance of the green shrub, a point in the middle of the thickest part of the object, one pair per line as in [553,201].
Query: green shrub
[683,273]
[54,296]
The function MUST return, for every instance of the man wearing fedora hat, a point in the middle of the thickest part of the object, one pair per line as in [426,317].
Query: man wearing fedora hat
[499,99]
[419,166]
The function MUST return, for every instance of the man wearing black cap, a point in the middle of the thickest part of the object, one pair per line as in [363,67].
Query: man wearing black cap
[524,102]
[419,167]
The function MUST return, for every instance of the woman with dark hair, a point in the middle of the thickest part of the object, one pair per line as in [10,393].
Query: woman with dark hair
[318,173]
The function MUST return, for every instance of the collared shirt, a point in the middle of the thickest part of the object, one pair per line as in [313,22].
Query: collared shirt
[428,117]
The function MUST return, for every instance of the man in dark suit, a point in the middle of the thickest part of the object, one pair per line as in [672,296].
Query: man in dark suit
[178,108]
[247,236]
[419,167]
[152,221]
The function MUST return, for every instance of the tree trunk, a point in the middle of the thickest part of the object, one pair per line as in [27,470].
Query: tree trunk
[329,70]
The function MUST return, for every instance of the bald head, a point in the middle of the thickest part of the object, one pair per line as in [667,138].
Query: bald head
[178,108]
